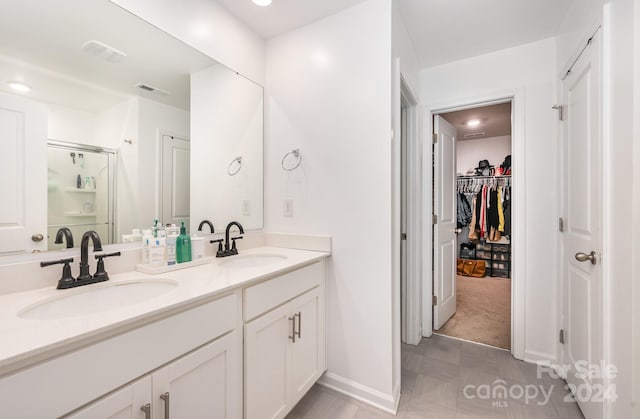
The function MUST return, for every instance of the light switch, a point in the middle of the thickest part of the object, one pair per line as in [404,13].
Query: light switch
[287,208]
[246,207]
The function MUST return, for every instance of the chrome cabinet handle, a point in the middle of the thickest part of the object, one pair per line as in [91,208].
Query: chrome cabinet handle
[147,411]
[299,332]
[37,238]
[583,257]
[292,337]
[165,398]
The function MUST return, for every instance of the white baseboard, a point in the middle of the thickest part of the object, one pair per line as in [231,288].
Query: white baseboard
[382,401]
[537,357]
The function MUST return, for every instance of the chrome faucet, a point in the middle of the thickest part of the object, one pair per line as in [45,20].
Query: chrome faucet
[68,236]
[84,253]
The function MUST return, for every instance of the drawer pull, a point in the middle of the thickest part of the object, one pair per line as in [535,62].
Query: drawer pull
[147,410]
[292,336]
[299,332]
[165,398]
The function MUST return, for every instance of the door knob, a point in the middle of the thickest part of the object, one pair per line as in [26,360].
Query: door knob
[37,238]
[457,230]
[583,257]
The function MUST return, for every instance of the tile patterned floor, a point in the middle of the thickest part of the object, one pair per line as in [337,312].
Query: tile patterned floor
[435,375]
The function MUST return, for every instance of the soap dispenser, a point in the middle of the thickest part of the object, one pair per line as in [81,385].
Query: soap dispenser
[183,245]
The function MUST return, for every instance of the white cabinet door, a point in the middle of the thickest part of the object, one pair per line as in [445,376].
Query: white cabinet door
[267,349]
[126,403]
[203,384]
[307,352]
[23,184]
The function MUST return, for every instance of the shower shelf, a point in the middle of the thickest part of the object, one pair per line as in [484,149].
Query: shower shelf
[71,189]
[79,214]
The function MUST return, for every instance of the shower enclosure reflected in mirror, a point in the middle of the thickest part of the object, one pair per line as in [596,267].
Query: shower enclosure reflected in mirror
[80,191]
[105,96]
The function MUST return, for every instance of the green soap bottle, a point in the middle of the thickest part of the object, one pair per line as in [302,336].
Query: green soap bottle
[183,245]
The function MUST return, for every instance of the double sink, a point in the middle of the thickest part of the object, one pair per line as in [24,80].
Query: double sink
[102,297]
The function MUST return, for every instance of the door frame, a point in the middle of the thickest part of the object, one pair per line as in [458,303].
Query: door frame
[160,134]
[518,246]
[411,294]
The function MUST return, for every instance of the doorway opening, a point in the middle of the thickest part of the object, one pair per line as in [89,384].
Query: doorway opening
[472,224]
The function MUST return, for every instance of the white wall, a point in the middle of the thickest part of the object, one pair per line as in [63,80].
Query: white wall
[226,122]
[208,27]
[532,69]
[154,118]
[470,152]
[328,93]
[402,48]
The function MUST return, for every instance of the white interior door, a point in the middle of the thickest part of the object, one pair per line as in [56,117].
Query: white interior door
[582,151]
[175,184]
[23,184]
[444,236]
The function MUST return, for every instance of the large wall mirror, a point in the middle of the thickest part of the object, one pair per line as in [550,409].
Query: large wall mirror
[107,123]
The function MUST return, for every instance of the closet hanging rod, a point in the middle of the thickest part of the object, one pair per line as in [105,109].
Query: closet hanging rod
[483,177]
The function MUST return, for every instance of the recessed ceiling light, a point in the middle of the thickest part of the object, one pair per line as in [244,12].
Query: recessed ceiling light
[473,123]
[19,87]
[262,2]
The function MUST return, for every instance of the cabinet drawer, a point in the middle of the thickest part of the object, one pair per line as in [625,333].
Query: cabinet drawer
[500,265]
[501,247]
[502,257]
[501,273]
[485,246]
[265,296]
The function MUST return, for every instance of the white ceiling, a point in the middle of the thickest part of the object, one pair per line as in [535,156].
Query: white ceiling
[283,15]
[495,121]
[443,31]
[40,44]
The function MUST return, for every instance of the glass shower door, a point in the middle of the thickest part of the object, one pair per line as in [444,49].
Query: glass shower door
[80,191]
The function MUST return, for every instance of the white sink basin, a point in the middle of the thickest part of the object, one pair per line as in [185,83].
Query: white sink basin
[91,299]
[252,261]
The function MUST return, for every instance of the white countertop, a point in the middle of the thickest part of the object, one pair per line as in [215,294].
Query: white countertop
[27,341]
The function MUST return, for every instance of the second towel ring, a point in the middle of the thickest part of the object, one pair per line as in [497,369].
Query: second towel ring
[231,172]
[297,155]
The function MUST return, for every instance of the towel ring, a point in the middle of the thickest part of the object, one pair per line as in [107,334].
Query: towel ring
[231,172]
[297,155]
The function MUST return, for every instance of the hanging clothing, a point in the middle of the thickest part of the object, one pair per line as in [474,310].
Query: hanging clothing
[507,211]
[500,212]
[473,230]
[464,211]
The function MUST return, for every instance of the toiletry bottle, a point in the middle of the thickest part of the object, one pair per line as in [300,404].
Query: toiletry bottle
[197,247]
[157,251]
[158,229]
[183,245]
[136,236]
[147,237]
[172,236]
[79,182]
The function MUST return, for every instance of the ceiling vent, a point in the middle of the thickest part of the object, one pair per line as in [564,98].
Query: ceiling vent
[474,135]
[151,89]
[103,51]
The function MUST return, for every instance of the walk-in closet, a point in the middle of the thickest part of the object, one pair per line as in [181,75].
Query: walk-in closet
[483,191]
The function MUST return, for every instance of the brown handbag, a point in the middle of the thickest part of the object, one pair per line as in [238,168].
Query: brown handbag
[474,268]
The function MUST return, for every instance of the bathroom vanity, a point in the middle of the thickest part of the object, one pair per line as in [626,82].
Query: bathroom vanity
[242,337]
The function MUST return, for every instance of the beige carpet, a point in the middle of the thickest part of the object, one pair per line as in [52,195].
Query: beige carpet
[483,312]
